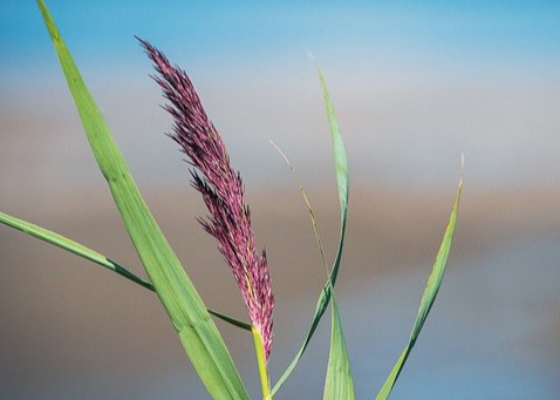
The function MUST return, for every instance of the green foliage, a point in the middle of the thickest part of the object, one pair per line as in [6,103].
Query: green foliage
[198,333]
[186,310]
[98,258]
[71,246]
[428,298]
[341,169]
[338,384]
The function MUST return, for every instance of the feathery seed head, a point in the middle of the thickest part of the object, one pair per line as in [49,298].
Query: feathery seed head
[222,192]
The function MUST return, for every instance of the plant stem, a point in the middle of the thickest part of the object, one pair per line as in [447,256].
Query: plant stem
[262,365]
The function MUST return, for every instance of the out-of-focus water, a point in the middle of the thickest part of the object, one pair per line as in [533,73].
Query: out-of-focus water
[70,330]
[493,334]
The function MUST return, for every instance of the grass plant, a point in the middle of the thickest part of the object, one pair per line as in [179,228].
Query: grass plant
[229,222]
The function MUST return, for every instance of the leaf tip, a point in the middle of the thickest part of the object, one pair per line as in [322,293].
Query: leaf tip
[462,171]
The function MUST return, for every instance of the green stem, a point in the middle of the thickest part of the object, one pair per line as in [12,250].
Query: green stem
[261,361]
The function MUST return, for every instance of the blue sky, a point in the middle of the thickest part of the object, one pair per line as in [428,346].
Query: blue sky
[525,33]
[415,83]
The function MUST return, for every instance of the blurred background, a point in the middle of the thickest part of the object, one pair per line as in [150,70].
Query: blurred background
[415,84]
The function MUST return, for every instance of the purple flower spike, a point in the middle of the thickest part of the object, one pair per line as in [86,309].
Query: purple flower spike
[222,191]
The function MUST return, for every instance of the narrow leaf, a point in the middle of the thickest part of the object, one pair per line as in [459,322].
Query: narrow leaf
[341,169]
[428,298]
[198,333]
[231,320]
[71,246]
[98,258]
[338,384]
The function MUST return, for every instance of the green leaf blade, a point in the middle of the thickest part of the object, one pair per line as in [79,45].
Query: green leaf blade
[71,246]
[341,169]
[340,157]
[342,178]
[91,255]
[428,297]
[199,335]
[339,384]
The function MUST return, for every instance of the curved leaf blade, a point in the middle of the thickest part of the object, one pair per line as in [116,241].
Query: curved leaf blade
[198,333]
[342,178]
[428,298]
[91,255]
[71,246]
[339,384]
